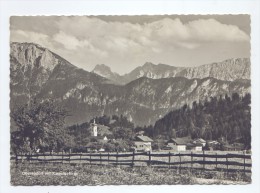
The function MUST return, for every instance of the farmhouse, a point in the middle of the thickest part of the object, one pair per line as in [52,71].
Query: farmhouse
[213,145]
[143,143]
[200,141]
[177,144]
[91,147]
[234,147]
[194,147]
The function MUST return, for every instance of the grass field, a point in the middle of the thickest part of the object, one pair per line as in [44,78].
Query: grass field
[78,174]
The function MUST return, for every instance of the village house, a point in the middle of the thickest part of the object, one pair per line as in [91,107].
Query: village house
[177,144]
[194,147]
[234,147]
[213,145]
[200,141]
[143,143]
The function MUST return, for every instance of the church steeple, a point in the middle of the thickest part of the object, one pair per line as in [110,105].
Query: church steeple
[94,129]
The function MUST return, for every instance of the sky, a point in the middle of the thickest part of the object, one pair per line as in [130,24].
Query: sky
[126,42]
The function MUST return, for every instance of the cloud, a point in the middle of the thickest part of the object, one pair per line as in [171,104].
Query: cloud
[164,32]
[212,30]
[29,36]
[68,41]
[94,33]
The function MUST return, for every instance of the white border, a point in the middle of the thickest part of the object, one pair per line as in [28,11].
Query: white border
[107,7]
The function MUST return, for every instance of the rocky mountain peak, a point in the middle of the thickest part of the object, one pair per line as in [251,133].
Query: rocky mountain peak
[148,65]
[105,71]
[102,68]
[33,56]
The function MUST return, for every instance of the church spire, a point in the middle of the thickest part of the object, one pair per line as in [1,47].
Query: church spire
[95,129]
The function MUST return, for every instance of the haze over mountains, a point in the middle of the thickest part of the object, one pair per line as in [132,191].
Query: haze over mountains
[143,95]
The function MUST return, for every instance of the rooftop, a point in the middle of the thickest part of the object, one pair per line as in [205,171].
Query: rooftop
[144,138]
[200,140]
[180,141]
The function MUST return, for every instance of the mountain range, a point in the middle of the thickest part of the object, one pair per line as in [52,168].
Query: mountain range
[149,92]
[229,70]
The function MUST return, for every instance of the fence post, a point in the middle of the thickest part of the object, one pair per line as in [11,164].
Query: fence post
[180,162]
[16,159]
[227,161]
[169,159]
[29,157]
[216,161]
[90,159]
[100,159]
[149,158]
[108,158]
[203,160]
[244,162]
[80,158]
[116,158]
[44,158]
[37,158]
[191,164]
[133,159]
[69,157]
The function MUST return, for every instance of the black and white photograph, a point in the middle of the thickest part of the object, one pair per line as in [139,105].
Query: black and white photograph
[130,100]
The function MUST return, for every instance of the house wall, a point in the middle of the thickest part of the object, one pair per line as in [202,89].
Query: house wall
[181,147]
[176,147]
[143,146]
[197,141]
[198,148]
[171,144]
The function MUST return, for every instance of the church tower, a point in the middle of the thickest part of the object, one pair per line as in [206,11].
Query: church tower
[94,129]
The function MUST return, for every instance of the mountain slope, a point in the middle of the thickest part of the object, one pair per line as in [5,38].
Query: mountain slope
[33,67]
[38,73]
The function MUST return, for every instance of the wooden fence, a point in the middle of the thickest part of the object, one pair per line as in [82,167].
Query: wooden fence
[205,161]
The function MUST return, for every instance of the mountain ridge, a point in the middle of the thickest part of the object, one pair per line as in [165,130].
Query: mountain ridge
[230,69]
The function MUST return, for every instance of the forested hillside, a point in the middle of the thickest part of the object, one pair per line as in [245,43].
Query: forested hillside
[225,117]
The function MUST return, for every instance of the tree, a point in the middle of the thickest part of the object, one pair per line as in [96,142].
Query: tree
[173,133]
[40,125]
[123,133]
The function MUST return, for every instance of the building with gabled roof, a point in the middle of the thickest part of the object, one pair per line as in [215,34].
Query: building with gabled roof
[194,147]
[143,143]
[200,141]
[178,144]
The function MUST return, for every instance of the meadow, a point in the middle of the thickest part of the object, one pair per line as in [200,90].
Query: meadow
[82,174]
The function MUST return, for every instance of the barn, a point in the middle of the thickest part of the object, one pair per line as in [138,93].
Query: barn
[177,144]
[194,147]
[200,141]
[143,143]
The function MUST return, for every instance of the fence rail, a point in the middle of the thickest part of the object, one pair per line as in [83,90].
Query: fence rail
[206,161]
